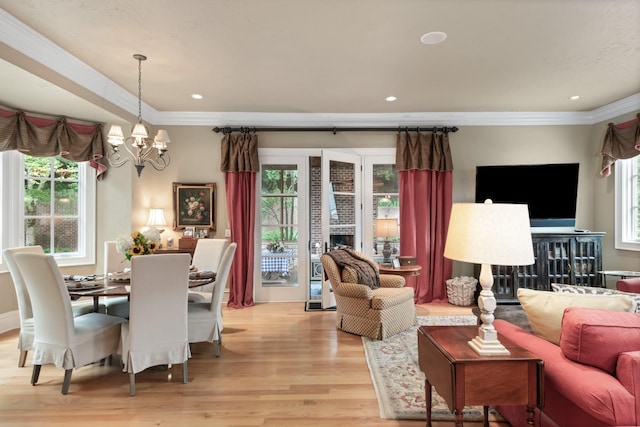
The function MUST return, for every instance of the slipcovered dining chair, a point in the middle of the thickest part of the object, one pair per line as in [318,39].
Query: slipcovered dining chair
[205,317]
[361,310]
[63,340]
[25,338]
[206,257]
[157,330]
[115,262]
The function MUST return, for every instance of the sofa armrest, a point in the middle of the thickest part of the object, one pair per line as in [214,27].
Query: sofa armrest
[629,285]
[628,373]
[353,290]
[391,281]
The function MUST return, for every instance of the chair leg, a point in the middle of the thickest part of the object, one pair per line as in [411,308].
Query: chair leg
[35,374]
[23,358]
[218,343]
[67,380]
[132,384]
[185,377]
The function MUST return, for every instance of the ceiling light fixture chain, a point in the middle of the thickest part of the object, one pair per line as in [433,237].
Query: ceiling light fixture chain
[142,148]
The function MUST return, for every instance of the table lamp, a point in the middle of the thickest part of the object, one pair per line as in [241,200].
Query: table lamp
[156,219]
[387,227]
[486,234]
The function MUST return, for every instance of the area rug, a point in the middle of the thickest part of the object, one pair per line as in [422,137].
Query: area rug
[398,381]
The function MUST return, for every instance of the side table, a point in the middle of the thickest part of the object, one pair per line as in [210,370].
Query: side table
[463,377]
[404,270]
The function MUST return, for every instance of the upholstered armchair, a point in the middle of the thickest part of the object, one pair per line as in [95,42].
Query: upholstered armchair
[361,310]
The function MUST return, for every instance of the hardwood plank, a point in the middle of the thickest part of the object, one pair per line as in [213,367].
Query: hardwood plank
[280,366]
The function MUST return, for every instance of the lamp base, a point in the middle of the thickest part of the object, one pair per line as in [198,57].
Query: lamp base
[486,343]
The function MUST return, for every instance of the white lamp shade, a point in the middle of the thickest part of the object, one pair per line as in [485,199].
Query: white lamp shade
[156,218]
[387,227]
[487,233]
[162,137]
[140,131]
[115,136]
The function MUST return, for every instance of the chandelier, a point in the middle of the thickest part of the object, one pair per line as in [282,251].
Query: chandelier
[140,148]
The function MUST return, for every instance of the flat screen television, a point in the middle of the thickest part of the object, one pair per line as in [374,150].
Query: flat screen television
[550,190]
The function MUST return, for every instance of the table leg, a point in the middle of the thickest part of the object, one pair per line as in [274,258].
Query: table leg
[530,416]
[459,415]
[427,400]
[96,304]
[486,415]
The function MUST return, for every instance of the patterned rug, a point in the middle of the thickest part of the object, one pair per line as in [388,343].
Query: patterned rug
[398,381]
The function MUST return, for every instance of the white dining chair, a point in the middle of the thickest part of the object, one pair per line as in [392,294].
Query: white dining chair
[206,257]
[59,338]
[204,317]
[25,338]
[157,330]
[115,262]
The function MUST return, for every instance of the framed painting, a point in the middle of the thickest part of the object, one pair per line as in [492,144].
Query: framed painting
[194,205]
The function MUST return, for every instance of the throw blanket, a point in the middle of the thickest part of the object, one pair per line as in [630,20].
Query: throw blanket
[367,273]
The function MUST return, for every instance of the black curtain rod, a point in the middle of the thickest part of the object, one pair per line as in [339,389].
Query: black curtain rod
[247,129]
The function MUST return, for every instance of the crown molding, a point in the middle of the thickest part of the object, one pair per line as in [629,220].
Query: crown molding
[32,44]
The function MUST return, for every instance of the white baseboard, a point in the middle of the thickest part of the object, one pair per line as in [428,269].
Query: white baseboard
[9,321]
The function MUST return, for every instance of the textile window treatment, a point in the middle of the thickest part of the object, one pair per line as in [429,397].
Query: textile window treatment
[44,137]
[240,164]
[425,170]
[621,141]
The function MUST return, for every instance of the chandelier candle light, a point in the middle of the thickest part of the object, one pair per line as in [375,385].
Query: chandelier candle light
[486,234]
[142,149]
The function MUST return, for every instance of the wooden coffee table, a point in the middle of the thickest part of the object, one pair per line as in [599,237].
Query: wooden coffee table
[464,378]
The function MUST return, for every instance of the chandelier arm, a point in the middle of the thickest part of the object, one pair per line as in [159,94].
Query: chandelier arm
[160,162]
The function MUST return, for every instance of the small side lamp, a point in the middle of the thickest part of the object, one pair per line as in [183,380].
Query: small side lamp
[156,219]
[387,227]
[485,234]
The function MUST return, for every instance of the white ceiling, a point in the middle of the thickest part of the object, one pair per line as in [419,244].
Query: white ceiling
[325,62]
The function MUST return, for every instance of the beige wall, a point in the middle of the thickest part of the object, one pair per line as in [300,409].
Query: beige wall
[124,199]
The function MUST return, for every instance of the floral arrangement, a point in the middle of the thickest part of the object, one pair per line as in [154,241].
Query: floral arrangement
[194,205]
[275,247]
[138,243]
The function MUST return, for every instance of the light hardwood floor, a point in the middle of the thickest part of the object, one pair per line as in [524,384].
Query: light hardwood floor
[280,366]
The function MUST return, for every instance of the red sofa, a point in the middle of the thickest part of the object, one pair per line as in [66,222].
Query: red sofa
[592,379]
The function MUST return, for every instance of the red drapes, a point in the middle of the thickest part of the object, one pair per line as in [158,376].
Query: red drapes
[426,187]
[241,210]
[239,162]
[426,203]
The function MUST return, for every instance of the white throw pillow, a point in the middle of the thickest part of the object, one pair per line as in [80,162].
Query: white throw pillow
[574,289]
[544,309]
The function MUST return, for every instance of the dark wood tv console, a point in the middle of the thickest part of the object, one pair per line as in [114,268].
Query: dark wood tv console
[571,258]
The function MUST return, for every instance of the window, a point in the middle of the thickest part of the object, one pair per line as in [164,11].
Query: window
[627,216]
[57,208]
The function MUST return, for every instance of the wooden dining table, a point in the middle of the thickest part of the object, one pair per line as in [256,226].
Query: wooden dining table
[111,288]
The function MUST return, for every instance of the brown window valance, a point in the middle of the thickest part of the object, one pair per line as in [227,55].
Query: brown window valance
[423,151]
[45,137]
[239,153]
[622,141]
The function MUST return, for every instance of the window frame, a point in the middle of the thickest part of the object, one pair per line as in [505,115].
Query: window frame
[12,189]
[626,204]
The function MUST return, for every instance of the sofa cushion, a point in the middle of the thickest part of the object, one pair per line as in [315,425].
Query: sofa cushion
[596,337]
[544,309]
[573,289]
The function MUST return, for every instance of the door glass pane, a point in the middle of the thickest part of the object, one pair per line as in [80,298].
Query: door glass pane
[279,225]
[386,205]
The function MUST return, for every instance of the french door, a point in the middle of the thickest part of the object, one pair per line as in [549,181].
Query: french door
[282,234]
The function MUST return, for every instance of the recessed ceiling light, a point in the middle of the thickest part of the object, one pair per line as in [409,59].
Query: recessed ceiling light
[390,98]
[196,96]
[575,97]
[433,37]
